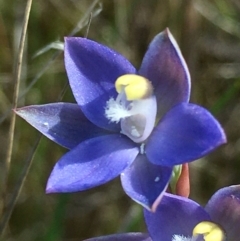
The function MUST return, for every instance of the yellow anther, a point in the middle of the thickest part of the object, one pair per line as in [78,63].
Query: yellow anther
[210,231]
[135,87]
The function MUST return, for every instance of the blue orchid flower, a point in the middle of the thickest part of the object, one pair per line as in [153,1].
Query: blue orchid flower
[136,124]
[181,219]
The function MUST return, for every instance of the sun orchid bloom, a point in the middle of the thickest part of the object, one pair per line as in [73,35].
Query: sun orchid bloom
[136,124]
[181,219]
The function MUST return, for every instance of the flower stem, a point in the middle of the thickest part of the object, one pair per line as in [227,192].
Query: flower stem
[8,208]
[17,77]
[13,200]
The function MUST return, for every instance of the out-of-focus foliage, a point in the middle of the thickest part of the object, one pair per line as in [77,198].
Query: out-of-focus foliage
[208,32]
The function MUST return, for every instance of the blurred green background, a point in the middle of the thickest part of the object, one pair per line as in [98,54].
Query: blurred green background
[208,32]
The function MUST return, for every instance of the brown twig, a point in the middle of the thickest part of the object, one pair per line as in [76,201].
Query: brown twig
[17,77]
[10,206]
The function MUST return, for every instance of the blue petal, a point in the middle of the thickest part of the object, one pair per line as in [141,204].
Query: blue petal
[123,237]
[92,163]
[224,209]
[174,216]
[145,182]
[165,67]
[187,132]
[63,123]
[92,71]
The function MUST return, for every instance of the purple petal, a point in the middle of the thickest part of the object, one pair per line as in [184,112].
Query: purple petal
[123,237]
[174,216]
[224,209]
[145,182]
[92,163]
[92,71]
[63,123]
[164,66]
[187,132]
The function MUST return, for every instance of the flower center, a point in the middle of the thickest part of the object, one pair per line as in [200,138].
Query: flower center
[210,231]
[204,231]
[135,107]
[180,238]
